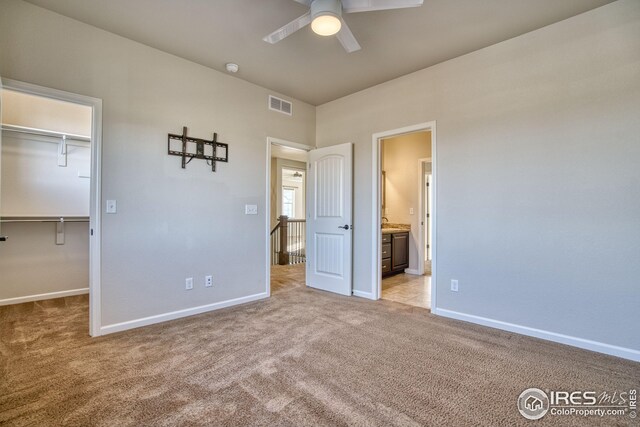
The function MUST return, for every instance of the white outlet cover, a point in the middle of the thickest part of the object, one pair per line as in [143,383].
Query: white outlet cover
[410,211]
[454,285]
[188,283]
[112,206]
[251,209]
[208,281]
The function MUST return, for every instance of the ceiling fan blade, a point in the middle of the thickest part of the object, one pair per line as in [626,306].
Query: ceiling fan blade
[352,6]
[288,29]
[347,39]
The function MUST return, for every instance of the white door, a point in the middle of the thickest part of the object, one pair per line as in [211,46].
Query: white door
[329,230]
[2,236]
[429,217]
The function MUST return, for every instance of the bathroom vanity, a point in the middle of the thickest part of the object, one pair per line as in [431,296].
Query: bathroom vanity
[395,249]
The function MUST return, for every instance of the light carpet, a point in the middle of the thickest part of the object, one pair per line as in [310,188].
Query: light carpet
[303,357]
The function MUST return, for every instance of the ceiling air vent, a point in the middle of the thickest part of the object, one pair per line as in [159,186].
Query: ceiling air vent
[280,105]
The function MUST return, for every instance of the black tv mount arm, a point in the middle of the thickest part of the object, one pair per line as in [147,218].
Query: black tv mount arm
[214,155]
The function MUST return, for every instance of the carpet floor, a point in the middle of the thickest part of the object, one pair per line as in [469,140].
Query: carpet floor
[303,357]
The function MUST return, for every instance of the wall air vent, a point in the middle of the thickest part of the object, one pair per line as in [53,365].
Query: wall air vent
[280,105]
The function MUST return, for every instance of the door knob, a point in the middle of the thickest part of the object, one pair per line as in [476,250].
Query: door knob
[345,227]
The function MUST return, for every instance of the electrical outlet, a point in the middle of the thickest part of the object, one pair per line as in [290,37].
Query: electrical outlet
[410,211]
[111,206]
[454,285]
[208,281]
[188,283]
[251,209]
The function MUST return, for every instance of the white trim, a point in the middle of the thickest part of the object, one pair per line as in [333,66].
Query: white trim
[95,260]
[267,209]
[362,294]
[414,271]
[376,207]
[150,320]
[289,144]
[421,216]
[613,350]
[40,297]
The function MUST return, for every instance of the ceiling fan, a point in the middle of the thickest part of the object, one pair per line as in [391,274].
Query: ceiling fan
[325,17]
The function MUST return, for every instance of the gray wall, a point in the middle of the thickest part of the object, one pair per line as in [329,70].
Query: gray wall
[538,177]
[172,223]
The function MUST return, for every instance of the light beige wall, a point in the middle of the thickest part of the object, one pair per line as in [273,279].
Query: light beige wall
[32,111]
[32,264]
[172,223]
[538,184]
[299,186]
[280,164]
[34,185]
[403,177]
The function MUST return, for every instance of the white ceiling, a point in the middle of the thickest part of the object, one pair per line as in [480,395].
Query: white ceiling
[306,66]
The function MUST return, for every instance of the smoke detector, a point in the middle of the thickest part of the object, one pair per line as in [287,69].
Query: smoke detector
[231,67]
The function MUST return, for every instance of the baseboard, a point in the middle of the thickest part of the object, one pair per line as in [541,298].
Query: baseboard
[412,271]
[363,294]
[623,352]
[40,297]
[145,321]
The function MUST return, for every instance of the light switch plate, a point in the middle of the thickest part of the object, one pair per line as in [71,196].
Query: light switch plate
[111,206]
[251,209]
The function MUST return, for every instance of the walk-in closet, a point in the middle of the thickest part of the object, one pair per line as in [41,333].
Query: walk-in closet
[44,198]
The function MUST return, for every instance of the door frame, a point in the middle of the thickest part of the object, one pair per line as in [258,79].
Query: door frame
[267,209]
[422,224]
[376,207]
[428,236]
[95,260]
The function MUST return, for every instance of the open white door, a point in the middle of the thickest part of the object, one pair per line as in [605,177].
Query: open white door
[329,230]
[2,236]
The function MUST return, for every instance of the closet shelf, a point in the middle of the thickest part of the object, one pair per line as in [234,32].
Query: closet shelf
[10,219]
[44,132]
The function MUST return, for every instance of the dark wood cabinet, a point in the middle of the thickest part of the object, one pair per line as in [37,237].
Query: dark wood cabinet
[395,252]
[399,251]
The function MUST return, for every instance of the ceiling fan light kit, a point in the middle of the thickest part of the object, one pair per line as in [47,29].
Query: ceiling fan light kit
[325,17]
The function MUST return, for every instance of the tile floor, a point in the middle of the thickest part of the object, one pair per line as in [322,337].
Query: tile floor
[408,288]
[403,288]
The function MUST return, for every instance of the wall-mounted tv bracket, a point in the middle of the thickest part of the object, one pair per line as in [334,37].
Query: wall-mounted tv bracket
[196,148]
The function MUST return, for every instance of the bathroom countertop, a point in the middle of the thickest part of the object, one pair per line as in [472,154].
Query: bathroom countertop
[388,228]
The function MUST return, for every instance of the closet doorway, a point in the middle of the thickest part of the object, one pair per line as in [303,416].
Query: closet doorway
[49,197]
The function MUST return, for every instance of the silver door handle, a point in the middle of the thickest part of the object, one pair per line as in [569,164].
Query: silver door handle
[345,227]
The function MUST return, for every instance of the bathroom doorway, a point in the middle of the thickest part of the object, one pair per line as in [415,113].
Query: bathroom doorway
[403,159]
[404,220]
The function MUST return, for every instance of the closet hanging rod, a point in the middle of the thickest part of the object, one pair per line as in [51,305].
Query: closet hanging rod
[43,132]
[12,219]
